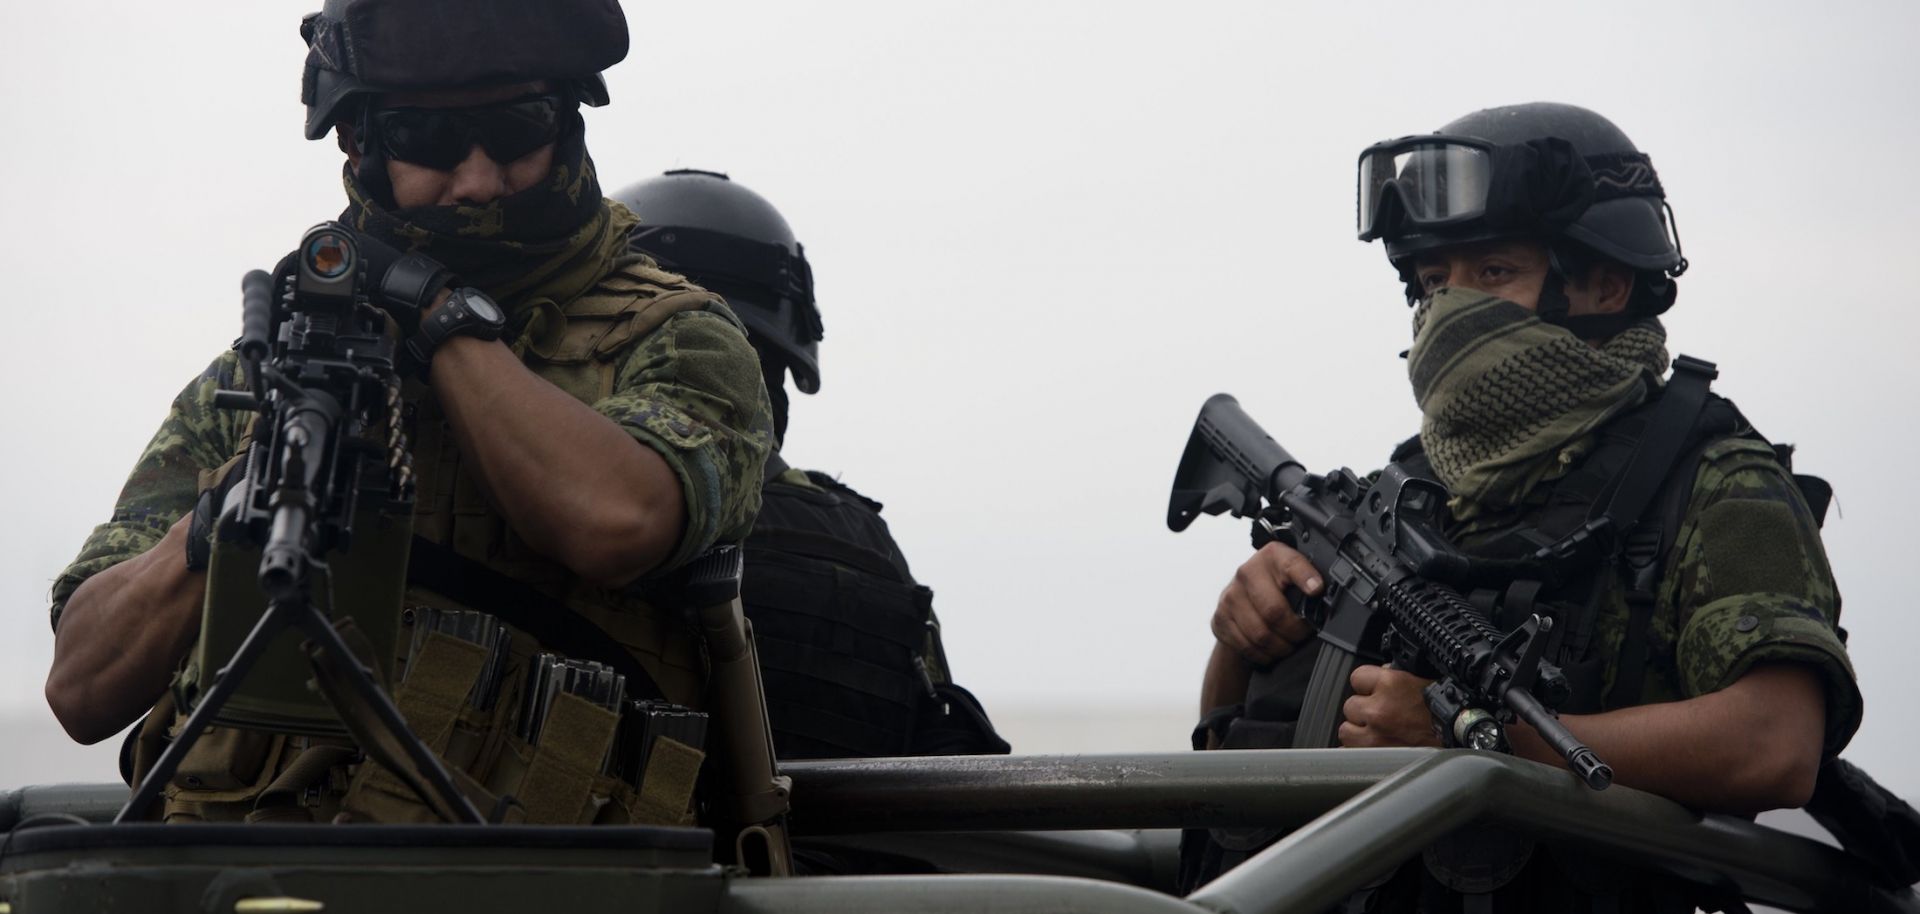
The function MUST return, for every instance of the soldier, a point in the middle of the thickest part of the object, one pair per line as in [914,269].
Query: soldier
[849,646]
[585,419]
[1702,645]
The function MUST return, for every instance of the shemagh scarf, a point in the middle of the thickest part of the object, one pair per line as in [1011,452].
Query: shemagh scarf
[1506,399]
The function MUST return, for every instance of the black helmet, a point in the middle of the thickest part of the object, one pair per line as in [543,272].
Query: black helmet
[1522,170]
[732,241]
[363,47]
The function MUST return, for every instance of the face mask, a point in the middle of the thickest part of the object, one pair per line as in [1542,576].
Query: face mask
[550,241]
[1505,399]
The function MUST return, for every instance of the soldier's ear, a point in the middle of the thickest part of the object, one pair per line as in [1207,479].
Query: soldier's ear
[1611,286]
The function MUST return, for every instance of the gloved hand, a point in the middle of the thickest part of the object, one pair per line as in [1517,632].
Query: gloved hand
[206,516]
[404,284]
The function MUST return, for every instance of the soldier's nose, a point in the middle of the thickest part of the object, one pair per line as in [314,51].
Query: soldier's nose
[478,179]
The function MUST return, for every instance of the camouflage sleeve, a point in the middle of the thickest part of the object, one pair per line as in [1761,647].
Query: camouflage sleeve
[692,391]
[1753,585]
[193,438]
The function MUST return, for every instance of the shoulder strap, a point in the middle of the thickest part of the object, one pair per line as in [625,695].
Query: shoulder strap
[551,622]
[1640,546]
[1666,435]
[1669,428]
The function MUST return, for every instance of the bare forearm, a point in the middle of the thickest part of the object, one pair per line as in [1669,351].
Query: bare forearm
[1752,746]
[121,636]
[620,511]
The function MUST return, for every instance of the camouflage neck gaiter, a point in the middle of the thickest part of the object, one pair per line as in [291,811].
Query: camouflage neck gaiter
[550,242]
[1507,400]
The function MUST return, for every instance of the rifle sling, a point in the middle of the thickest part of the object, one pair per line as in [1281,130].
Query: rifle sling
[550,621]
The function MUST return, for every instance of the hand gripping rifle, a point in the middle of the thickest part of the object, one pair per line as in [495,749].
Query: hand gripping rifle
[1380,551]
[329,460]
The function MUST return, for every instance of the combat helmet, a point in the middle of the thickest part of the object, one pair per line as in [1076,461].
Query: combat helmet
[1554,171]
[358,48]
[732,241]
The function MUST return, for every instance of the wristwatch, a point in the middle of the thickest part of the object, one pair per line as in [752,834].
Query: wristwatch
[466,312]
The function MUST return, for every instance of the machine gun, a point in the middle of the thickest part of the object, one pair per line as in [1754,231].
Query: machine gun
[328,470]
[1379,548]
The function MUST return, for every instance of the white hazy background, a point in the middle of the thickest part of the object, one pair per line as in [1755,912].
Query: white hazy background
[1043,234]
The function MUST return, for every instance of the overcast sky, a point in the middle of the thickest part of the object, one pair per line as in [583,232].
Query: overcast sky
[1042,233]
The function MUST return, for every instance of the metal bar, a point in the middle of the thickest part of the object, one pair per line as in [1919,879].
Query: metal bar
[1038,792]
[1148,859]
[944,895]
[95,803]
[1317,865]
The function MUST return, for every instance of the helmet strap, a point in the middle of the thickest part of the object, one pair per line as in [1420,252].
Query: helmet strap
[1554,305]
[372,172]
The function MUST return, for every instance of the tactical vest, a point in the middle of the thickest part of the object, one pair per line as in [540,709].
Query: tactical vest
[1509,584]
[232,774]
[849,648]
[577,350]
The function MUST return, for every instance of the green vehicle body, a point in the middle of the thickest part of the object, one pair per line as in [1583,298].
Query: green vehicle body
[1009,833]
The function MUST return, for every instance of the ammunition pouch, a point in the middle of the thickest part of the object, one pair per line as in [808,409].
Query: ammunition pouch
[557,780]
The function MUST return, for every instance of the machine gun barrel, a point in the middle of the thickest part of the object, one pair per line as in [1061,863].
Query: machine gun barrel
[306,426]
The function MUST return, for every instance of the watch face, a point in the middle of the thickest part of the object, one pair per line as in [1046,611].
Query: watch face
[484,308]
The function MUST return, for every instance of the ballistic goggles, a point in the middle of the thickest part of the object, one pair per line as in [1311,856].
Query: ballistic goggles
[441,138]
[1436,181]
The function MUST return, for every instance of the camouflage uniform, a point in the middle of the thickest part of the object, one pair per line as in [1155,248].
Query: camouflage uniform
[662,358]
[1746,583]
[690,391]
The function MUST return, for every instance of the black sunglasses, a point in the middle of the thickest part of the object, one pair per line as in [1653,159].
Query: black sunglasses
[441,138]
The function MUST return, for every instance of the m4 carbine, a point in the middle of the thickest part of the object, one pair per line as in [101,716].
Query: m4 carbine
[1379,547]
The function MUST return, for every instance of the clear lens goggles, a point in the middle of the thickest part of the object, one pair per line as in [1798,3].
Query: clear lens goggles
[1437,181]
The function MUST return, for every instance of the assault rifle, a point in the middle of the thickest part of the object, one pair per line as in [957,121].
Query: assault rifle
[321,518]
[1380,551]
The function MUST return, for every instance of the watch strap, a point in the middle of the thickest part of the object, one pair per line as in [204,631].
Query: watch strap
[411,283]
[454,318]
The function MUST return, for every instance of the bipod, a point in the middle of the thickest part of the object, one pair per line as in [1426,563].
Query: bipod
[333,660]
